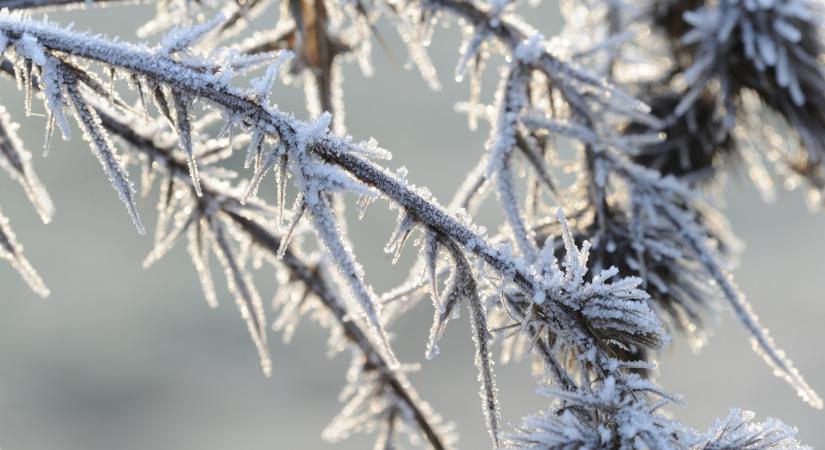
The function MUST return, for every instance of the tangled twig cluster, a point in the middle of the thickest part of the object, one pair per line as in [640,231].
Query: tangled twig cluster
[587,275]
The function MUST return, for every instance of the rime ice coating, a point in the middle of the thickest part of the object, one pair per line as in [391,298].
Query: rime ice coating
[585,321]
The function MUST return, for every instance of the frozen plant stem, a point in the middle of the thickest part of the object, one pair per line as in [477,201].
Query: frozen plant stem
[305,273]
[588,276]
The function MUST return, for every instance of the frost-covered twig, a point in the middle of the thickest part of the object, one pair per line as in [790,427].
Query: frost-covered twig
[55,4]
[16,161]
[421,413]
[340,152]
[427,422]
[418,411]
[586,315]
[12,251]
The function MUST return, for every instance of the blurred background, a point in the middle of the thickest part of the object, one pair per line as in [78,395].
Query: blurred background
[126,358]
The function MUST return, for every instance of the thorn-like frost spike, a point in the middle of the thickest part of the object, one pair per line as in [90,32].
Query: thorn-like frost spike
[199,252]
[295,217]
[431,259]
[182,38]
[163,245]
[272,158]
[262,87]
[481,337]
[444,307]
[246,296]
[253,150]
[763,344]
[184,128]
[16,160]
[403,229]
[52,80]
[339,250]
[98,138]
[11,251]
[461,285]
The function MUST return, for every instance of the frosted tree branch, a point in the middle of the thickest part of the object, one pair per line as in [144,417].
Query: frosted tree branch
[586,278]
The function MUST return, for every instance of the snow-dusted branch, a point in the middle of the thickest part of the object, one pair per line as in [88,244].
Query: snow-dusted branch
[62,4]
[588,290]
[341,152]
[230,207]
[422,414]
[428,423]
